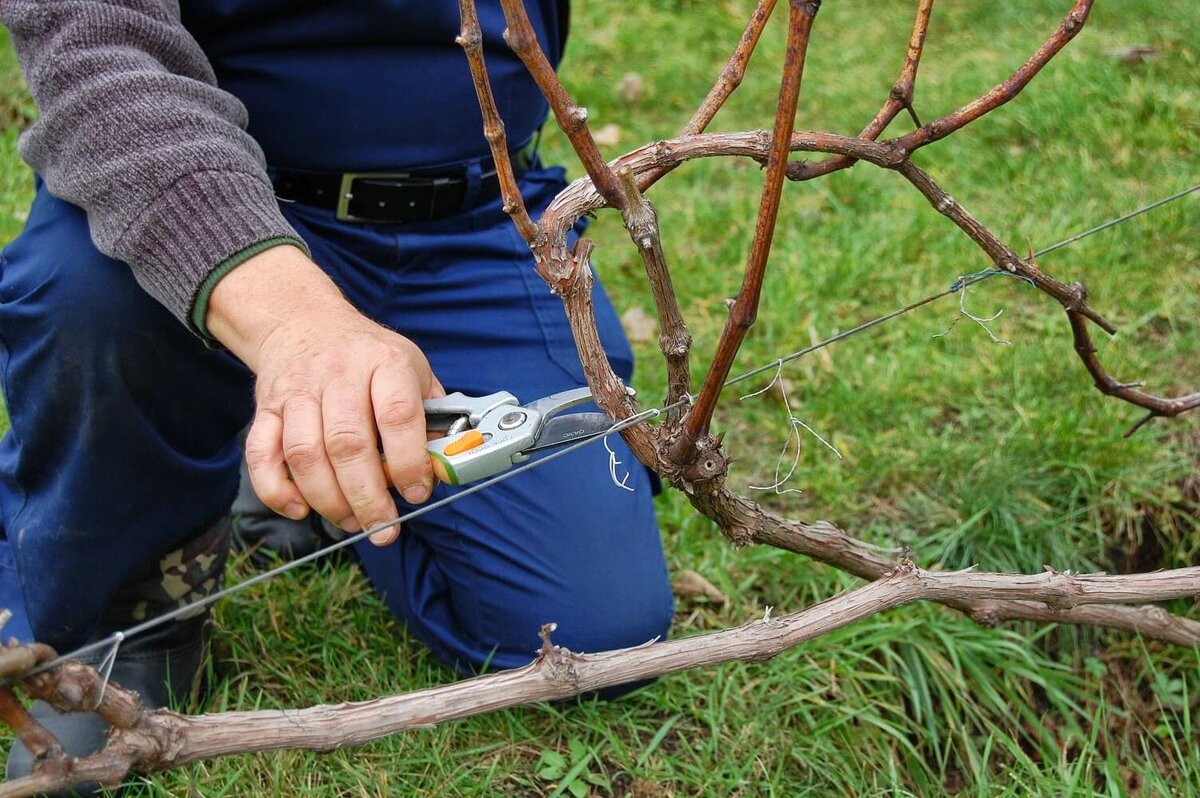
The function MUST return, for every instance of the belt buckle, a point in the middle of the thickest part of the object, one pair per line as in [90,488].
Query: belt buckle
[346,192]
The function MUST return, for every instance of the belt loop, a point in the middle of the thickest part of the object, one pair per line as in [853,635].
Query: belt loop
[474,176]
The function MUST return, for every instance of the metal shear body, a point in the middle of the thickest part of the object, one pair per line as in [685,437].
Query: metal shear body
[489,434]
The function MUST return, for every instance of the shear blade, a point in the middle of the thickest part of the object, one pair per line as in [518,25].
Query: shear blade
[570,428]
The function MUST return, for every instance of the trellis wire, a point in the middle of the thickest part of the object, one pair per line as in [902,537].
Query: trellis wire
[113,640]
[960,283]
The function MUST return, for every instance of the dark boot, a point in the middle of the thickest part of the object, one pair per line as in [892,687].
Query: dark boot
[267,536]
[161,665]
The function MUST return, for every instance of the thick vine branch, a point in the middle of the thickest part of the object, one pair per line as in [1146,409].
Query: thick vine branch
[826,543]
[641,219]
[156,740]
[608,390]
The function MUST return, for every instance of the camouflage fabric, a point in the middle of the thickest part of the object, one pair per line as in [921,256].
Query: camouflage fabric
[269,538]
[183,576]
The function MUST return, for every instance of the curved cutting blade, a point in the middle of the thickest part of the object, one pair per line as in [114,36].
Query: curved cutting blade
[570,428]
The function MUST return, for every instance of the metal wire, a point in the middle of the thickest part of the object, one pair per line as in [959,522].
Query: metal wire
[108,643]
[957,285]
[115,638]
[1117,221]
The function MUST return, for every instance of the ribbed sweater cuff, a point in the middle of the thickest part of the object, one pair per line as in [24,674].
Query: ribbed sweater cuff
[193,227]
[199,313]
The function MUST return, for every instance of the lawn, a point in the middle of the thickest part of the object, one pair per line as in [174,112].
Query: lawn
[964,450]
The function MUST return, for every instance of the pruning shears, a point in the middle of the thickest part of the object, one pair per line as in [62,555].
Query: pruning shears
[489,434]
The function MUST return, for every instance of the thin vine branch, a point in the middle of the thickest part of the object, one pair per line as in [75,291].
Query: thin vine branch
[471,40]
[734,71]
[900,98]
[744,310]
[938,129]
[674,340]
[727,82]
[1004,91]
[571,118]
[1072,297]
[41,743]
[1128,391]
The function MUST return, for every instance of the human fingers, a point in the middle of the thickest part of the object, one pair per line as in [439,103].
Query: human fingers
[304,451]
[396,396]
[351,443]
[268,470]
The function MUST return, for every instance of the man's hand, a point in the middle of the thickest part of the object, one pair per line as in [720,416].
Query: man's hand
[332,385]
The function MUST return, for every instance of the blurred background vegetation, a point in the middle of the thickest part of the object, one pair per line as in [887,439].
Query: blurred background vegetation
[966,451]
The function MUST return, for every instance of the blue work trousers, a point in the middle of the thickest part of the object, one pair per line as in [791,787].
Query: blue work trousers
[124,429]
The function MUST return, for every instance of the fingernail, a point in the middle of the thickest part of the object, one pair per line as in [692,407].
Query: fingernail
[415,494]
[350,525]
[384,536]
[295,511]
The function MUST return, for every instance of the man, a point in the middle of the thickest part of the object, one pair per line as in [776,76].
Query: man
[166,132]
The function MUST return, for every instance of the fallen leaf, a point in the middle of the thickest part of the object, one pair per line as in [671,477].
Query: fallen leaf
[608,136]
[689,584]
[1133,53]
[649,789]
[631,87]
[643,789]
[639,325]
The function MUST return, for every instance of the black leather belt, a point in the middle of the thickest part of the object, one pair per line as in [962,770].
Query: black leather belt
[391,197]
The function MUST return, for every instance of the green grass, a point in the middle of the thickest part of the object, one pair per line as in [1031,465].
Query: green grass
[966,451]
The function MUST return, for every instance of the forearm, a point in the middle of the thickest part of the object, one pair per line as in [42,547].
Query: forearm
[134,130]
[249,304]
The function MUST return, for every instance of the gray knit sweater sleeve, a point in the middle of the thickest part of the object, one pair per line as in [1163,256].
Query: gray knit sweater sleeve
[133,129]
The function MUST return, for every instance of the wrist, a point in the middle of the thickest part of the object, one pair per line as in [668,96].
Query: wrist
[265,292]
[199,312]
